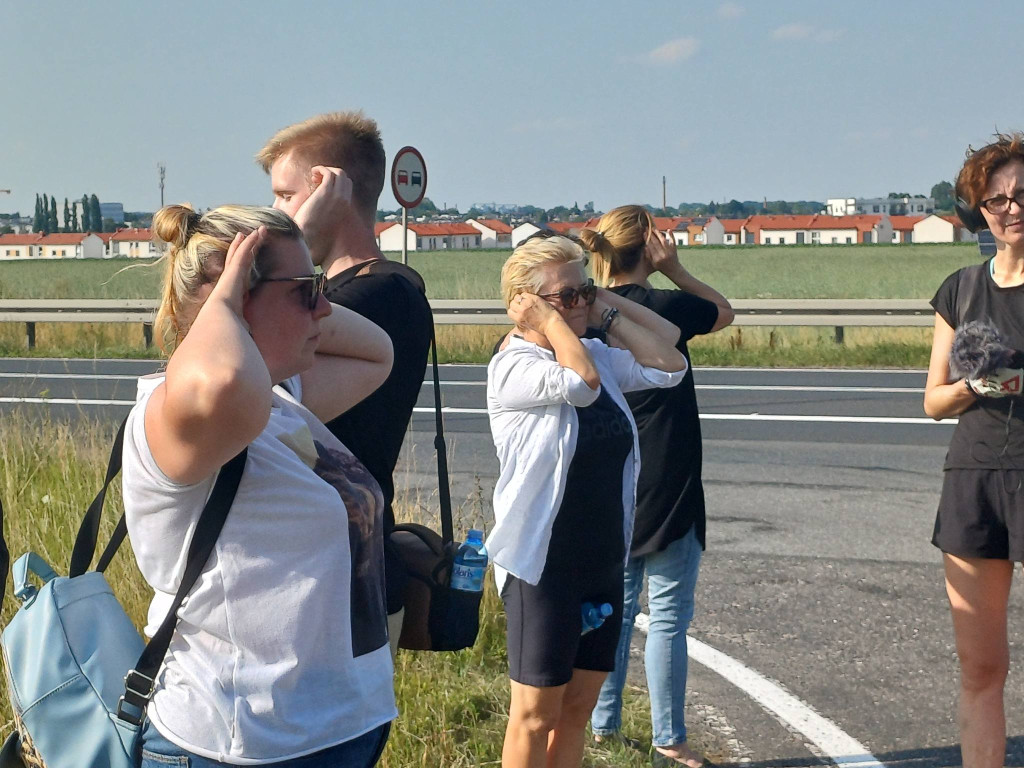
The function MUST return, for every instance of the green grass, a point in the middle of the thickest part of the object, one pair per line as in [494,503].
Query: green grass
[799,271]
[879,271]
[453,706]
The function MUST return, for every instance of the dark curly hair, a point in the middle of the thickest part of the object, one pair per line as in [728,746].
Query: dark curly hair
[972,181]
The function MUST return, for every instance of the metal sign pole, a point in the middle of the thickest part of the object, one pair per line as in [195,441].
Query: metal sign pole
[405,235]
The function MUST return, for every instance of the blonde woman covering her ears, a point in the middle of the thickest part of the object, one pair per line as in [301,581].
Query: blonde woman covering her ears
[563,502]
[280,655]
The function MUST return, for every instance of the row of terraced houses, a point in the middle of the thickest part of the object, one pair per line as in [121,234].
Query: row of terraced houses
[817,229]
[131,243]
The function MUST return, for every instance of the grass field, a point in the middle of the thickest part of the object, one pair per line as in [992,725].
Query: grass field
[839,271]
[453,705]
[903,271]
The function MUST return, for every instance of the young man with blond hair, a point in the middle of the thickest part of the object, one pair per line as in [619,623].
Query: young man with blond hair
[327,173]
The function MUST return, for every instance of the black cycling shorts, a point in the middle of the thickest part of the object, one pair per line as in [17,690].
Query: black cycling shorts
[544,624]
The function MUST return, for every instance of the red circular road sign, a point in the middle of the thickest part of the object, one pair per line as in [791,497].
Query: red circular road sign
[409,177]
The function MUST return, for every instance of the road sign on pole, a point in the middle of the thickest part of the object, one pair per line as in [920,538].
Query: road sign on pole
[409,183]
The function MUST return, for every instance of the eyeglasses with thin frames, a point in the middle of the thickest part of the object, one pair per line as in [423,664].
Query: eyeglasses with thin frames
[1001,203]
[312,291]
[570,297]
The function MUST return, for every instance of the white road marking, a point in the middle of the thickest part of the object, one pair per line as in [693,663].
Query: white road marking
[39,376]
[824,419]
[84,376]
[63,401]
[833,742]
[742,387]
[758,417]
[483,412]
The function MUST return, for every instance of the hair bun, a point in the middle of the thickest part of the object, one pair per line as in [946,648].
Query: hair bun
[174,224]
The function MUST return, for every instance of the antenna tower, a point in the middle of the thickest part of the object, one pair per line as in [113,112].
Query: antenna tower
[161,170]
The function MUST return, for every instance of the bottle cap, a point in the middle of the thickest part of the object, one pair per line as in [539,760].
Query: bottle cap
[475,534]
[606,609]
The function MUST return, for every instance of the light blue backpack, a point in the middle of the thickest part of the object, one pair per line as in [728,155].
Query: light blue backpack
[78,674]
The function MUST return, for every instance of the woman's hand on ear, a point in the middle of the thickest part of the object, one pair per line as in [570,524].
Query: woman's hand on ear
[231,286]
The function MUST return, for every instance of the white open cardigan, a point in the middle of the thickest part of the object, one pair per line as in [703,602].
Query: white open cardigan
[531,404]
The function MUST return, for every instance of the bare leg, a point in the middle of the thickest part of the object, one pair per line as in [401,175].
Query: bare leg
[978,591]
[565,749]
[532,716]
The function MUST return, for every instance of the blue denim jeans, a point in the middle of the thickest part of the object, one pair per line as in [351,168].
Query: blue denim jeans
[361,752]
[671,579]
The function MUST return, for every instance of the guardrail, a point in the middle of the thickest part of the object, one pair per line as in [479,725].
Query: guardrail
[837,313]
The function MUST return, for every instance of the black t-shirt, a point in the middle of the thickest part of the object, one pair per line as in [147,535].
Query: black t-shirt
[587,532]
[392,296]
[670,495]
[990,433]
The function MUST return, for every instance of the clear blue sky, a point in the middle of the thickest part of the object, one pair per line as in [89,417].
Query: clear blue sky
[527,102]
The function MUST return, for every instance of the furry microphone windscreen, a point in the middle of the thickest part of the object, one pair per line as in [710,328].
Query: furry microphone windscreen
[979,349]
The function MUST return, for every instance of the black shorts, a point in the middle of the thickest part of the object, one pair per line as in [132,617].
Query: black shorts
[544,624]
[981,514]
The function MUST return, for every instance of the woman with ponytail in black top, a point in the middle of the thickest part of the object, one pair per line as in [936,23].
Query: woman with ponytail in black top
[668,535]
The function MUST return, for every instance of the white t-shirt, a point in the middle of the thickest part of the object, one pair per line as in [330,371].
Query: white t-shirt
[281,647]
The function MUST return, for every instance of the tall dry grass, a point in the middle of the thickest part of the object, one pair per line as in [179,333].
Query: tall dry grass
[453,706]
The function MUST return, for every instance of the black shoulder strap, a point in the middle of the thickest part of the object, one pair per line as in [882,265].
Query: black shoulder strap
[5,556]
[443,492]
[88,532]
[139,682]
[211,521]
[967,286]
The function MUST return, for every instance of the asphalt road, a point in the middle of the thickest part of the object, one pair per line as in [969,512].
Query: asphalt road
[819,574]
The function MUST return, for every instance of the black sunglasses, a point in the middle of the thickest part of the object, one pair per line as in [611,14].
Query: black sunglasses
[1001,203]
[313,287]
[570,297]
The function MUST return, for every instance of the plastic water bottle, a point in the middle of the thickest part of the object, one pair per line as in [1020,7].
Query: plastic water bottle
[594,615]
[470,563]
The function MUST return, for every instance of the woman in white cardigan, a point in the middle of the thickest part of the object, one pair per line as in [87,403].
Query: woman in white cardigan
[565,496]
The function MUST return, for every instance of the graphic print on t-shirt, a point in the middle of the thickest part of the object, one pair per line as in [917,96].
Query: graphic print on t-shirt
[365,506]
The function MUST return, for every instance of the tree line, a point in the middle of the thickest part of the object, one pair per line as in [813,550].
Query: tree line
[942,193]
[46,221]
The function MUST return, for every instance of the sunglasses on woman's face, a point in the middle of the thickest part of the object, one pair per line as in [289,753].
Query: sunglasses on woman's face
[570,297]
[312,289]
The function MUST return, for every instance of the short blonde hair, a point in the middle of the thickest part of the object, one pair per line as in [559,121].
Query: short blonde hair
[519,275]
[198,246]
[347,140]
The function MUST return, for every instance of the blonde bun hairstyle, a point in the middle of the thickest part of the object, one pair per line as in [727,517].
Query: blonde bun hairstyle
[618,242]
[197,246]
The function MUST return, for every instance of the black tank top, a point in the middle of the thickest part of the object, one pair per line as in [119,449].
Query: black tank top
[587,531]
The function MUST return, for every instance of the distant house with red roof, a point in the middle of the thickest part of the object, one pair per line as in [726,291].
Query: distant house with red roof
[732,231]
[566,227]
[494,233]
[816,229]
[70,245]
[13,247]
[134,243]
[430,236]
[903,228]
[942,229]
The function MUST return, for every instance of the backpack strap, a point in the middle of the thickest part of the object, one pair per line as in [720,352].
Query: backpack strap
[140,681]
[88,532]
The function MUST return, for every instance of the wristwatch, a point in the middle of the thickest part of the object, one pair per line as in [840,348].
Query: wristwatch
[607,317]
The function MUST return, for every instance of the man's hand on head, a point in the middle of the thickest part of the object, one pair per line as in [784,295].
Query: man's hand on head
[325,209]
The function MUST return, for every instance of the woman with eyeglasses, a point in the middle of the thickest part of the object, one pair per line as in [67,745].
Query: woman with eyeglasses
[563,502]
[979,526]
[668,537]
[280,655]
